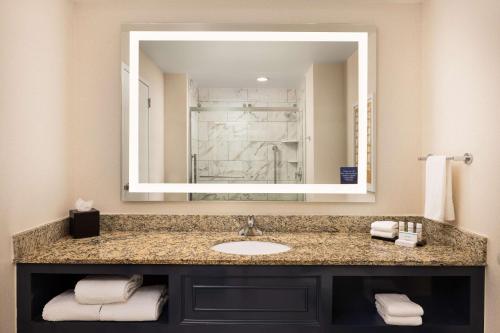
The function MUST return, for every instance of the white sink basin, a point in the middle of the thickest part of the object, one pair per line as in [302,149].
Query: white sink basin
[251,248]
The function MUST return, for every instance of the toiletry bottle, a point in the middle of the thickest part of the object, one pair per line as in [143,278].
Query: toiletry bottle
[401,226]
[419,232]
[411,227]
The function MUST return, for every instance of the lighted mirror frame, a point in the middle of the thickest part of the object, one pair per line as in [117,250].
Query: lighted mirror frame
[135,37]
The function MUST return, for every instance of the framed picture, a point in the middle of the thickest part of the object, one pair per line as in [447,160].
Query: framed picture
[370,168]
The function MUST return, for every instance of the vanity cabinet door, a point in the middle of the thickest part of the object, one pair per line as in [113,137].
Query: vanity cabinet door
[250,299]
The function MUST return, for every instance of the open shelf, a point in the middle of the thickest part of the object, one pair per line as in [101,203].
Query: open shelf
[46,286]
[445,300]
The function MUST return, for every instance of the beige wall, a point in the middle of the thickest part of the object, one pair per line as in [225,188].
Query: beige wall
[329,122]
[34,126]
[153,77]
[309,129]
[461,82]
[351,100]
[176,132]
[97,107]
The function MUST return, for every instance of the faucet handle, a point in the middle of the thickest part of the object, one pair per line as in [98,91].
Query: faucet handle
[251,221]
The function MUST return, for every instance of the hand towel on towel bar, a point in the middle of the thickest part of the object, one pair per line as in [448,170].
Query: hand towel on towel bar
[146,304]
[398,305]
[388,226]
[64,307]
[105,289]
[398,321]
[383,234]
[438,190]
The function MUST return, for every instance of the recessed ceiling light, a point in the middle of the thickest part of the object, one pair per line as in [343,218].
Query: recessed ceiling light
[262,79]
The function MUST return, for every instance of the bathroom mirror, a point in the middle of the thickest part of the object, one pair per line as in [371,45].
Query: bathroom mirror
[248,113]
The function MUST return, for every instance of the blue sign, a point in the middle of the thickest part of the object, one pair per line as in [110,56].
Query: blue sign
[348,175]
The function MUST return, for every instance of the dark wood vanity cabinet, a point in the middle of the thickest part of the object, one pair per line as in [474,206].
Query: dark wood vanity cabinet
[277,299]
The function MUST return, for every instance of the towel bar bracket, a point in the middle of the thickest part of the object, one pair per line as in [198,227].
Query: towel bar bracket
[467,158]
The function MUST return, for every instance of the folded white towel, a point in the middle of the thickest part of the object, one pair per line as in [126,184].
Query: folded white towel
[146,304]
[384,234]
[64,307]
[406,243]
[388,226]
[438,190]
[398,321]
[398,305]
[106,289]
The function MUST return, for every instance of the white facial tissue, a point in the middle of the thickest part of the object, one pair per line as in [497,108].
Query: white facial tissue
[83,206]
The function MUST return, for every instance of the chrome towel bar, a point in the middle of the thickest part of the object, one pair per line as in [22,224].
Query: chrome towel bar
[466,158]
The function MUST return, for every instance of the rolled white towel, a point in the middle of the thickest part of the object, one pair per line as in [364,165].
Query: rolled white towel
[388,226]
[398,305]
[64,307]
[383,234]
[398,321]
[106,289]
[146,304]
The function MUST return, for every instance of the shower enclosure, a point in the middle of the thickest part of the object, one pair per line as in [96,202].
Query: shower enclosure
[246,144]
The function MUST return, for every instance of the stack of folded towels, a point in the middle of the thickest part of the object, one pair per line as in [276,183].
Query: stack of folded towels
[108,298]
[384,229]
[398,309]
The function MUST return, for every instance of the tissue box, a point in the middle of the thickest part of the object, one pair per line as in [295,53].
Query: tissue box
[84,224]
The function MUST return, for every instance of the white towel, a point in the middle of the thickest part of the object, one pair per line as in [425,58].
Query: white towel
[438,190]
[398,305]
[388,226]
[105,289]
[383,234]
[146,304]
[64,307]
[398,321]
[406,243]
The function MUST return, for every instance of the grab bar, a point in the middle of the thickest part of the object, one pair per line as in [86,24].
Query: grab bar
[275,153]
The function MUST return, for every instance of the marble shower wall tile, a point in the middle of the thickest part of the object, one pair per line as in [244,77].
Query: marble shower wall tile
[215,104]
[292,130]
[248,151]
[203,168]
[227,94]
[233,169]
[291,95]
[247,116]
[267,131]
[212,116]
[237,144]
[286,152]
[202,130]
[268,95]
[282,116]
[226,131]
[258,170]
[213,150]
[210,196]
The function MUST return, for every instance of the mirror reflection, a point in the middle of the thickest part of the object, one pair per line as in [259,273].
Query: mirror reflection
[246,112]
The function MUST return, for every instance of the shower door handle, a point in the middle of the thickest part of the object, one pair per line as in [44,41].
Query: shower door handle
[194,174]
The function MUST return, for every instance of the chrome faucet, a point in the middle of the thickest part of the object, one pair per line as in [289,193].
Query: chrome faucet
[250,229]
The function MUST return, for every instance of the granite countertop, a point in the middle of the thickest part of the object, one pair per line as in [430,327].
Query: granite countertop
[311,248]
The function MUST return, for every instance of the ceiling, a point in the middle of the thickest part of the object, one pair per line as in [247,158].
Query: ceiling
[238,64]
